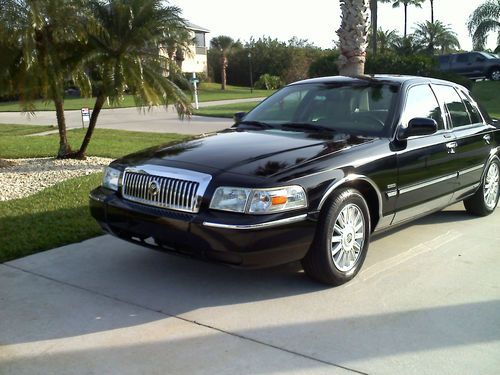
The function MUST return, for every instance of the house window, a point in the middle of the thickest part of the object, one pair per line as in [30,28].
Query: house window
[199,39]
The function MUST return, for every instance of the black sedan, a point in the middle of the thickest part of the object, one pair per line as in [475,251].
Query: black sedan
[309,174]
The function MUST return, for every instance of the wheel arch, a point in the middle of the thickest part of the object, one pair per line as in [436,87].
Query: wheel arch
[367,187]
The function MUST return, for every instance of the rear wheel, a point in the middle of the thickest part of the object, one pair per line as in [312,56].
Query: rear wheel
[342,239]
[495,74]
[485,200]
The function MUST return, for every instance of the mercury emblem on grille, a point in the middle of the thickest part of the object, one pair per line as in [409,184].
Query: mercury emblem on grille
[154,188]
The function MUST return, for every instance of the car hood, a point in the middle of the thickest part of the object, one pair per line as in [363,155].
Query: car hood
[260,153]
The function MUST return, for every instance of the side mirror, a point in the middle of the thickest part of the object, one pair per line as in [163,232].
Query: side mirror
[238,117]
[417,126]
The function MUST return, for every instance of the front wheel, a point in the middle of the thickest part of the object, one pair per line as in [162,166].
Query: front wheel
[342,239]
[485,200]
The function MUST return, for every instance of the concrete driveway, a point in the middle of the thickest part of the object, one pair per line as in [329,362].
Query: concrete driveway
[426,302]
[157,119]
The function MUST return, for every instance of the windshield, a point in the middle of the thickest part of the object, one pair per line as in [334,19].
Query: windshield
[355,109]
[489,55]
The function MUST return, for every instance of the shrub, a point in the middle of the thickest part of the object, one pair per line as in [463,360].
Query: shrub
[390,63]
[269,82]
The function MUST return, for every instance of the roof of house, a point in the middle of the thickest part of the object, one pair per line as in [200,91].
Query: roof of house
[194,27]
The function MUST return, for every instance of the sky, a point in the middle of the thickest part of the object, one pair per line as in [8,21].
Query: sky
[314,20]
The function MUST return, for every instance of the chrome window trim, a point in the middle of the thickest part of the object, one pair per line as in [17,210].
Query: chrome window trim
[427,183]
[268,224]
[202,179]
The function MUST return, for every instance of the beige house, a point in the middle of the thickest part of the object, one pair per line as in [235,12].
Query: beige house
[195,60]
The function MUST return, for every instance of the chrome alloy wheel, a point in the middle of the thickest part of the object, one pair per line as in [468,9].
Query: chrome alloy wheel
[495,75]
[348,237]
[491,184]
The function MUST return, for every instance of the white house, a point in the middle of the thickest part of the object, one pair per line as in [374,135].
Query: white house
[195,60]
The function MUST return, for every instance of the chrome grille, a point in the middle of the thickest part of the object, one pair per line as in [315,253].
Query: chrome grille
[167,188]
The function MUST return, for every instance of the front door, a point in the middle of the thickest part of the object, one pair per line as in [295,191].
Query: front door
[427,170]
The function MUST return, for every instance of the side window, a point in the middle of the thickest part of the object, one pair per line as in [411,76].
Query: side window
[463,58]
[474,113]
[454,105]
[421,102]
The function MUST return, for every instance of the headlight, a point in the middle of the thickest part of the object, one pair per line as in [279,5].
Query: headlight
[111,178]
[230,199]
[259,201]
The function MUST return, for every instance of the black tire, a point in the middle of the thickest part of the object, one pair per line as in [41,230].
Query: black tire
[494,74]
[477,204]
[319,262]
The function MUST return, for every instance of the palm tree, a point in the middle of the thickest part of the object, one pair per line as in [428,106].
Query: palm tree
[387,39]
[353,36]
[41,42]
[432,11]
[438,35]
[483,21]
[223,44]
[407,46]
[124,56]
[405,4]
[374,25]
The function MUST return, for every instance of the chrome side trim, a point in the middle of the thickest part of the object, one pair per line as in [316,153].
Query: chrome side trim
[428,183]
[469,170]
[349,178]
[268,224]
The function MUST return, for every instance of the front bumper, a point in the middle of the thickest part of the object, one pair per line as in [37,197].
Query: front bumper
[240,240]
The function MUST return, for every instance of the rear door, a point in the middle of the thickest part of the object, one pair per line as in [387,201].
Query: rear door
[427,170]
[473,135]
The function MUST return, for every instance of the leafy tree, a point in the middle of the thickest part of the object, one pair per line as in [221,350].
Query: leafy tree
[483,21]
[41,43]
[436,35]
[405,4]
[353,36]
[124,56]
[407,46]
[387,39]
[223,44]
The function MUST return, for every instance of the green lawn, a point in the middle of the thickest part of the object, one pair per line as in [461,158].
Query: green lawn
[58,215]
[105,142]
[207,92]
[227,110]
[488,93]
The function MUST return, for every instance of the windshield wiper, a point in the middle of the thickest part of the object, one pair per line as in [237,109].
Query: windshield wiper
[260,124]
[306,126]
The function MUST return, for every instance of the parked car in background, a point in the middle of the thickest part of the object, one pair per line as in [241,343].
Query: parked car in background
[473,65]
[308,175]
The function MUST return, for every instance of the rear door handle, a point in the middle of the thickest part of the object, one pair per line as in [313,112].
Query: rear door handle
[487,138]
[451,146]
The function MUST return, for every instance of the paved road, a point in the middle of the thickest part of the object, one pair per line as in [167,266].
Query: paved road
[157,120]
[426,302]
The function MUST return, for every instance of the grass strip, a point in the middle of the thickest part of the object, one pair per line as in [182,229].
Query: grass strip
[56,216]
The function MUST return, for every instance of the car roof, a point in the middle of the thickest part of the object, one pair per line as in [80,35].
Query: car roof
[376,78]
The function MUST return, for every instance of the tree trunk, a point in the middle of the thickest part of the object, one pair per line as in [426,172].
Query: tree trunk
[432,11]
[353,35]
[64,147]
[406,19]
[99,102]
[223,71]
[374,19]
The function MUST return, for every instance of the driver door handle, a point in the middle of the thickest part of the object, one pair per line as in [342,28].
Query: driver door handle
[487,138]
[451,146]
